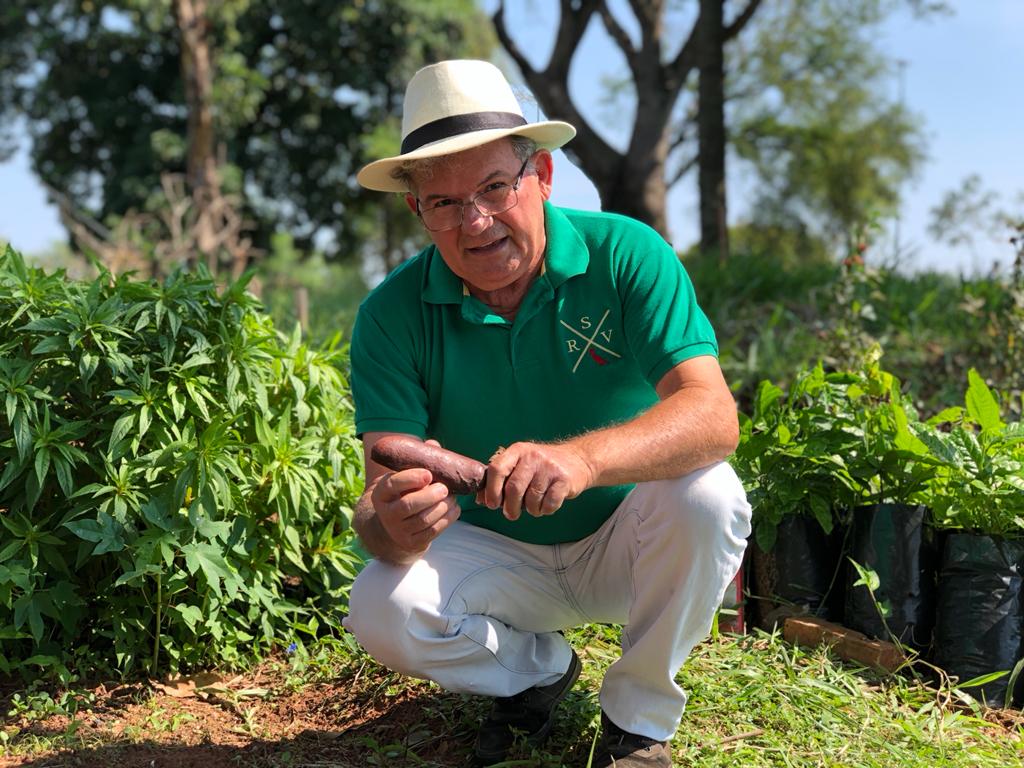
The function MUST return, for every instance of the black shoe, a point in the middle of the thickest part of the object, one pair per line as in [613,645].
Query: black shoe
[621,749]
[529,714]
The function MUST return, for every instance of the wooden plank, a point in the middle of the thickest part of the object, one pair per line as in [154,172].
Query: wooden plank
[846,643]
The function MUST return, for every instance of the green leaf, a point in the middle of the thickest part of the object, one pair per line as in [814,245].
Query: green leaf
[191,614]
[87,530]
[210,560]
[8,551]
[765,532]
[22,435]
[293,550]
[868,577]
[200,358]
[822,510]
[50,344]
[139,575]
[213,529]
[784,434]
[767,396]
[120,429]
[144,420]
[87,365]
[42,465]
[11,471]
[981,403]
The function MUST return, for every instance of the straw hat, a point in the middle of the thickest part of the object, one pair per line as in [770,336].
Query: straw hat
[457,105]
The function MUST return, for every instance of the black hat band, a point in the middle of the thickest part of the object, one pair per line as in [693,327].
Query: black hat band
[456,125]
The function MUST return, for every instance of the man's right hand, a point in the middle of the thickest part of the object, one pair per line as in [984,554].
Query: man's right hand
[411,509]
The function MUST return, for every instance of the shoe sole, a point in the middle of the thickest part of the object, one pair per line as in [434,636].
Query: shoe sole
[538,738]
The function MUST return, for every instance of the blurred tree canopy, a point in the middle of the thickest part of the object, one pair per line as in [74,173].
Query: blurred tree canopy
[304,92]
[818,117]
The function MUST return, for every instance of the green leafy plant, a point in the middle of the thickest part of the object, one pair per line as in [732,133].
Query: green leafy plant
[177,476]
[979,484]
[794,449]
[891,464]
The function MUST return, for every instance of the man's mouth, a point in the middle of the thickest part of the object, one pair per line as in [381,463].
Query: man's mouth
[488,248]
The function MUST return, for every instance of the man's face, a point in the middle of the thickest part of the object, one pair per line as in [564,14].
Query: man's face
[490,252]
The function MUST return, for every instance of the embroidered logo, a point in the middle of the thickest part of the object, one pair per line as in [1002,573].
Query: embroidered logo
[588,345]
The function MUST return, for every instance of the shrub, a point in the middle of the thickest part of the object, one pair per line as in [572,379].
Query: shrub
[176,477]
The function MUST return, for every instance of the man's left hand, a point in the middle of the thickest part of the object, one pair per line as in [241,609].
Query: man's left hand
[535,477]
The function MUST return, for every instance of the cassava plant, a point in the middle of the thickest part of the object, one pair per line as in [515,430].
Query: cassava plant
[176,476]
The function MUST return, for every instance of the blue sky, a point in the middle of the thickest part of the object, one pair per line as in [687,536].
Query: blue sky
[963,76]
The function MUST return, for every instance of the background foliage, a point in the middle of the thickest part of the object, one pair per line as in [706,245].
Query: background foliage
[304,93]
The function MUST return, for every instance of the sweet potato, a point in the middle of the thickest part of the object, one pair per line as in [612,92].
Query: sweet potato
[459,473]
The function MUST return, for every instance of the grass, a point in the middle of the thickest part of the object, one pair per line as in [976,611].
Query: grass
[755,700]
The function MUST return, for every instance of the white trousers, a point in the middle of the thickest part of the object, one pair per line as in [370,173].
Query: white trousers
[480,612]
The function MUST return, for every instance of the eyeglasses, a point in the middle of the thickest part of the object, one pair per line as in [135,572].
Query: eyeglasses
[497,198]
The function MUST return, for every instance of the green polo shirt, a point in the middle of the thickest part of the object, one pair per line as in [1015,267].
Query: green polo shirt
[611,313]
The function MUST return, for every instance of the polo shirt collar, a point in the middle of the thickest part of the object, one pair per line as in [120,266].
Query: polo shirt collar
[566,256]
[441,285]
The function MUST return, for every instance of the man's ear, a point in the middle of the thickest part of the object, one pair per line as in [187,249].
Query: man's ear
[410,200]
[545,166]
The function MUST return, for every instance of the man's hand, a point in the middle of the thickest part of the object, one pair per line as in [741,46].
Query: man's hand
[535,477]
[411,509]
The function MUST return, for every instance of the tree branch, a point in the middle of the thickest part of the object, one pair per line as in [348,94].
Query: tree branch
[684,168]
[498,19]
[683,135]
[685,60]
[551,86]
[736,26]
[618,34]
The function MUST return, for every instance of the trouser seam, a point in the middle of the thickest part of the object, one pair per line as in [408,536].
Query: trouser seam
[561,574]
[457,589]
[627,640]
[497,659]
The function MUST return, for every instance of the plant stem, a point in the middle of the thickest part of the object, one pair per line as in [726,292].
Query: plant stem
[156,633]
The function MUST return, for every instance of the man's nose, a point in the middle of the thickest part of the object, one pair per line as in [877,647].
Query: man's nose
[473,220]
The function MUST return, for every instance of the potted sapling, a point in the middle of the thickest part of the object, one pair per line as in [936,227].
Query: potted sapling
[978,501]
[793,460]
[890,532]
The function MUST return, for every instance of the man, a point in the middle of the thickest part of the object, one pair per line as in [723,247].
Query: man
[568,348]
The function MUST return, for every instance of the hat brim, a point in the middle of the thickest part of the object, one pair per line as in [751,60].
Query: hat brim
[550,135]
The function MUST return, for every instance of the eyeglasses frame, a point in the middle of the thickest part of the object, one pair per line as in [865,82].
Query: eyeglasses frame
[472,201]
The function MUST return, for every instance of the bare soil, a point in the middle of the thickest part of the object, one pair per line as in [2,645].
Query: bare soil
[257,719]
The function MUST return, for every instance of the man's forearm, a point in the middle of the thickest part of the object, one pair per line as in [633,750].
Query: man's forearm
[690,429]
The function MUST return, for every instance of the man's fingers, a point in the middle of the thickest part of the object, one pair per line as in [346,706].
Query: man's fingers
[394,485]
[516,486]
[435,520]
[554,498]
[533,499]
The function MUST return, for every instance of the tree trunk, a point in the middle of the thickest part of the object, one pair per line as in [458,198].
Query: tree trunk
[202,173]
[711,136]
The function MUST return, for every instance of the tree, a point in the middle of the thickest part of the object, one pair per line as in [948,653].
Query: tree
[972,211]
[635,182]
[299,89]
[722,84]
[829,148]
[711,134]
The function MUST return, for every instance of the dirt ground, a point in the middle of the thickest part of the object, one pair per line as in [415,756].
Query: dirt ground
[251,720]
